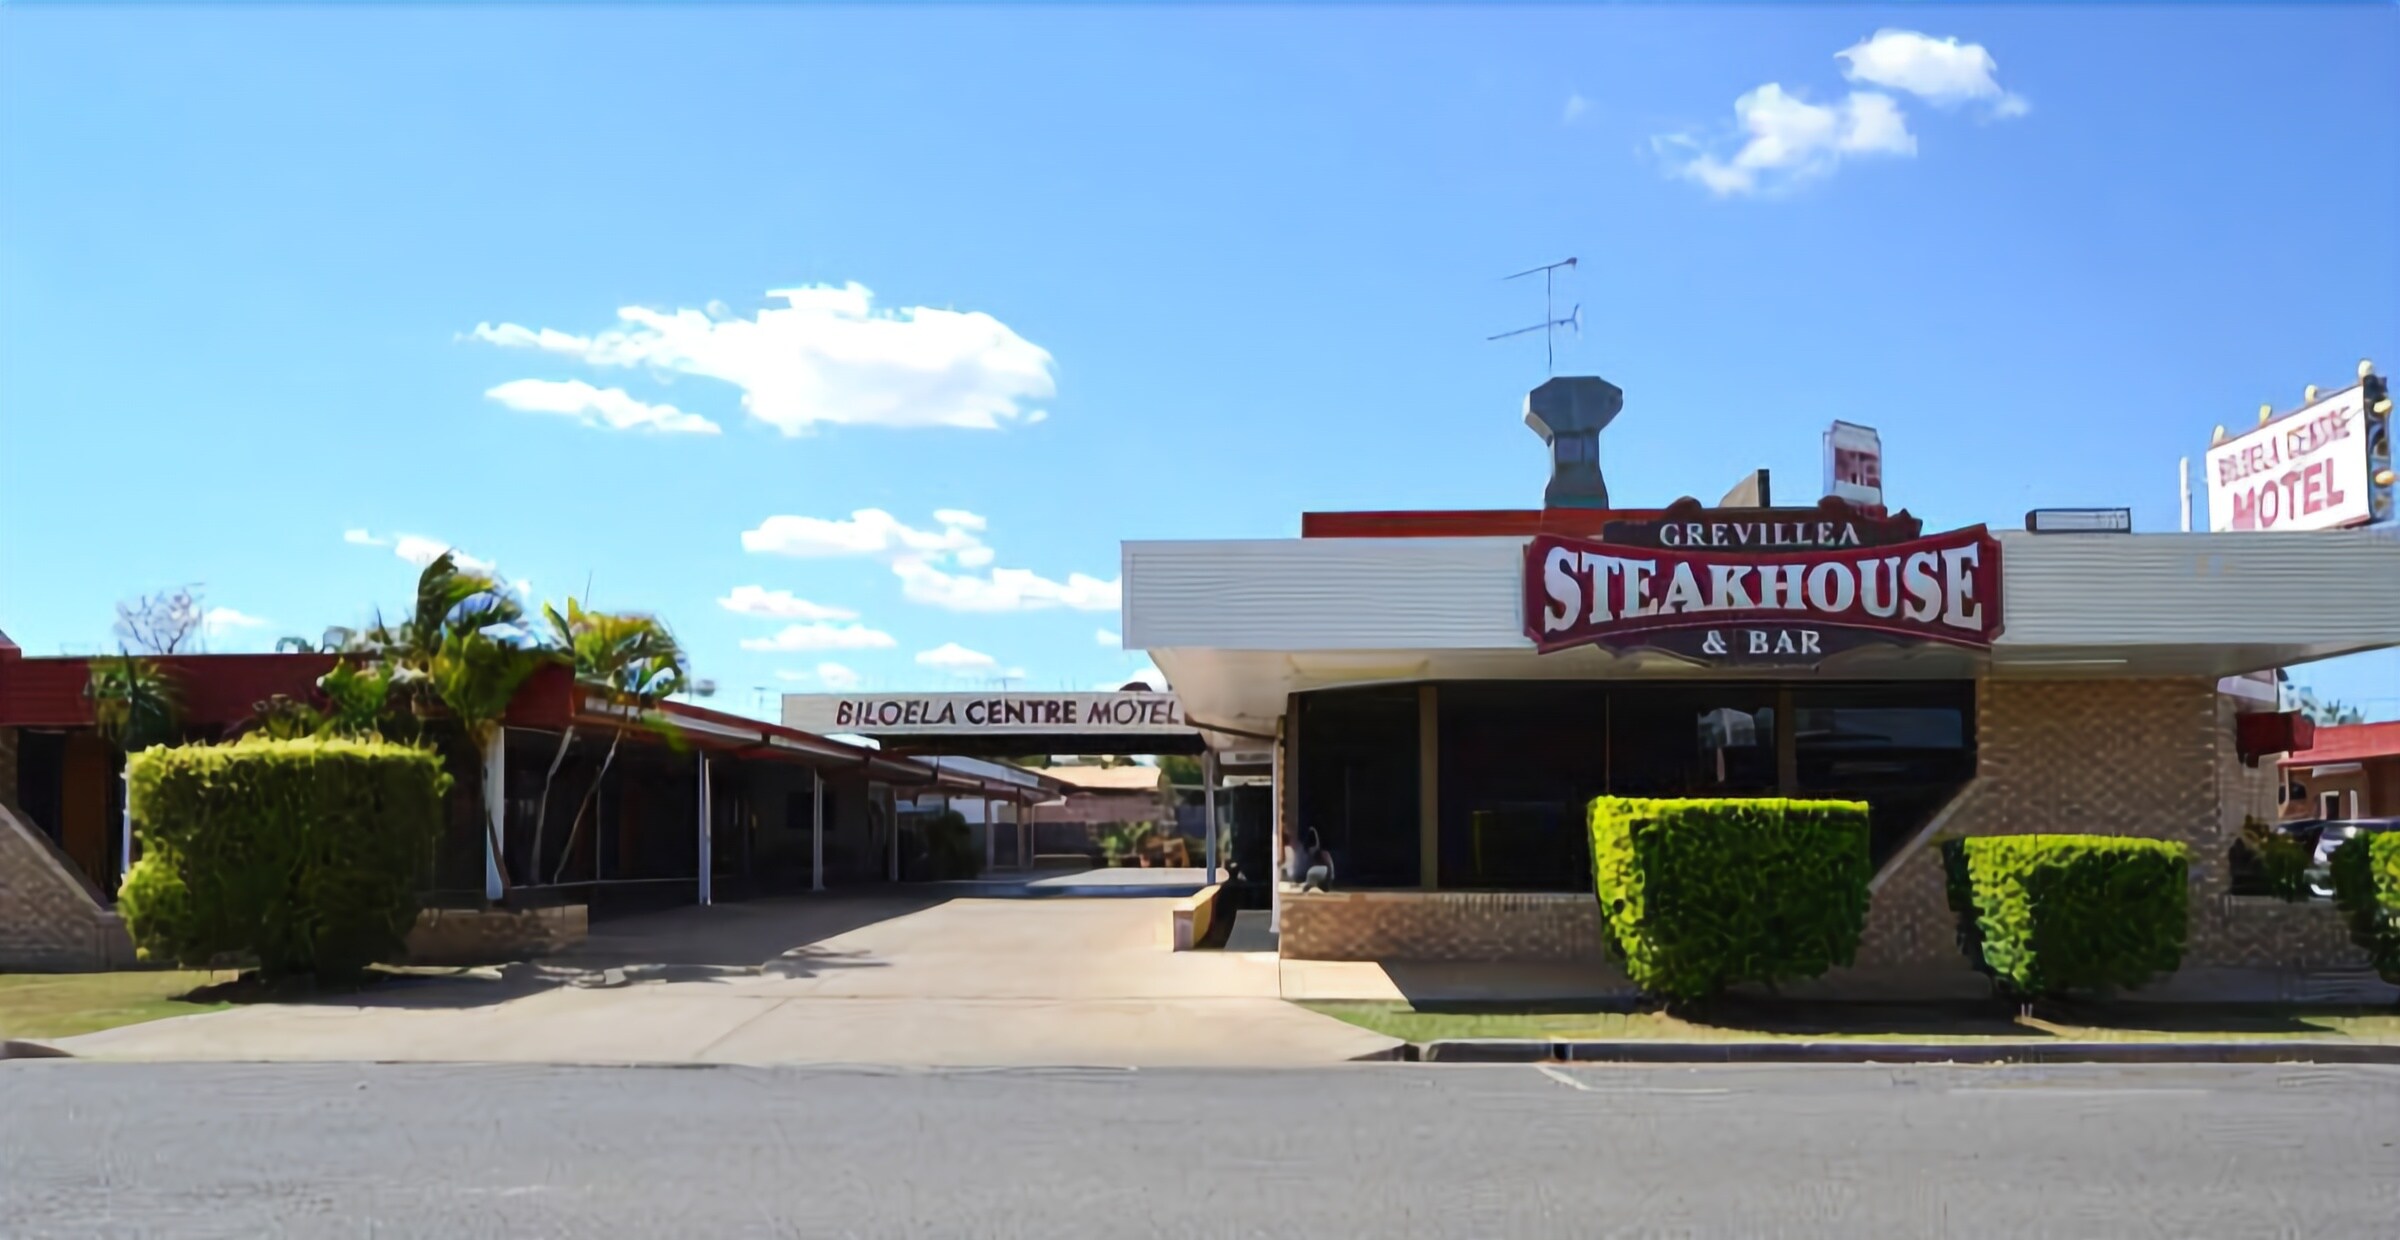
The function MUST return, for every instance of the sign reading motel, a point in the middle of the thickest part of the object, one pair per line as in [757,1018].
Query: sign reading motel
[2307,470]
[1775,605]
[925,714]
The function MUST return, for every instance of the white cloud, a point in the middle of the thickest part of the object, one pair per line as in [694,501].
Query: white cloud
[780,605]
[1004,589]
[420,551]
[221,621]
[833,676]
[1787,139]
[868,531]
[1147,675]
[826,355]
[1577,105]
[594,406]
[971,664]
[927,560]
[821,635]
[1108,637]
[1781,138]
[1944,72]
[952,657]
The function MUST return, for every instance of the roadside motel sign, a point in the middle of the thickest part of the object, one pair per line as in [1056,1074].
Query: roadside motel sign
[995,714]
[2307,470]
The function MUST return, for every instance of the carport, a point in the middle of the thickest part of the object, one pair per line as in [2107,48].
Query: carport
[683,803]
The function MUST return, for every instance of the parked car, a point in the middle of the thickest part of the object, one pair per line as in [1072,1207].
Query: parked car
[2332,834]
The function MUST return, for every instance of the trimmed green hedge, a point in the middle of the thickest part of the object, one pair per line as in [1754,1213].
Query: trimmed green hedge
[2366,887]
[1698,895]
[303,854]
[2047,914]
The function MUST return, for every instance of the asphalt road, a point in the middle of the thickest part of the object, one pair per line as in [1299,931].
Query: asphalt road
[93,1149]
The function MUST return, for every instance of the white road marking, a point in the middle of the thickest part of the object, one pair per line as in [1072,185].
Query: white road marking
[1571,1082]
[1562,1078]
[2047,1091]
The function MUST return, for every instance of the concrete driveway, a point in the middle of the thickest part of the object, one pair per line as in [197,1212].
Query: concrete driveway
[886,979]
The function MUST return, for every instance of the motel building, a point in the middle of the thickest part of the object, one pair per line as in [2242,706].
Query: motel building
[1436,696]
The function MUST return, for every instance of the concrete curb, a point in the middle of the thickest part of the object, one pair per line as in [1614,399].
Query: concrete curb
[11,1048]
[2255,1050]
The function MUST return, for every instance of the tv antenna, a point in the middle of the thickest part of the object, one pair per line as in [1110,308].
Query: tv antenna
[1550,321]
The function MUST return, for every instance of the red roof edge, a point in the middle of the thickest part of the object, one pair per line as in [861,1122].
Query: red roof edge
[2349,742]
[1469,523]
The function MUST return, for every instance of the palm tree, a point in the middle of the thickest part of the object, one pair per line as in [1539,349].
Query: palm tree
[453,665]
[134,702]
[632,660]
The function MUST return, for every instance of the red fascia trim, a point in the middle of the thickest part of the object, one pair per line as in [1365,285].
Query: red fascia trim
[214,689]
[2349,742]
[1470,523]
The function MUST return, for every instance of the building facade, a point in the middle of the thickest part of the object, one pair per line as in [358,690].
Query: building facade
[1445,691]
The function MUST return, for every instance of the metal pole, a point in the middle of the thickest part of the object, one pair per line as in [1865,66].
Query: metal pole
[1208,806]
[1275,861]
[495,810]
[2183,490]
[816,834]
[707,842]
[125,828]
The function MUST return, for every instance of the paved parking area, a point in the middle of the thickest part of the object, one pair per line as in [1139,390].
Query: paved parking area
[888,979]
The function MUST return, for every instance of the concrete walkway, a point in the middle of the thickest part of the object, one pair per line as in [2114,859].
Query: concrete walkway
[902,980]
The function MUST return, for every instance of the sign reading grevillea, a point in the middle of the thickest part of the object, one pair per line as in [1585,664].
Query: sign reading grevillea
[1944,588]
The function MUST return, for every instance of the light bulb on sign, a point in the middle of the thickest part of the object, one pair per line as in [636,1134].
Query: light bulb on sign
[2219,437]
[2308,395]
[2365,368]
[2384,479]
[2266,413]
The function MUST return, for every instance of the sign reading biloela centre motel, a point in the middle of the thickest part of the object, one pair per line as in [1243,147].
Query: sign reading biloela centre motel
[1769,586]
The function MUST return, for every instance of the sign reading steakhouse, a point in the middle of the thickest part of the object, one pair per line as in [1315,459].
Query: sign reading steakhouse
[1945,588]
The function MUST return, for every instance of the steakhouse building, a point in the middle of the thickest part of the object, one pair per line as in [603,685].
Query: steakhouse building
[1445,691]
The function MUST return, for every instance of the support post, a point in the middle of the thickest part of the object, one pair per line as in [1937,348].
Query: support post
[708,842]
[1429,787]
[1282,826]
[1787,744]
[2183,491]
[892,816]
[125,825]
[495,811]
[816,832]
[1208,808]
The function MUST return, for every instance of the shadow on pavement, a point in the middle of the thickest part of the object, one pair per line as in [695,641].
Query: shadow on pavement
[777,937]
[748,935]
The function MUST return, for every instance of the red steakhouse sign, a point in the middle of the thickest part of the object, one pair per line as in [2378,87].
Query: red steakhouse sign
[1945,588]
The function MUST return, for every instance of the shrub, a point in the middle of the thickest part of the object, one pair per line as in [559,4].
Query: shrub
[2046,914]
[303,854]
[1699,895]
[950,847]
[2366,887]
[2268,862]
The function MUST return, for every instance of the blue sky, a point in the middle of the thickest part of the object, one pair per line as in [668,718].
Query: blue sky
[283,289]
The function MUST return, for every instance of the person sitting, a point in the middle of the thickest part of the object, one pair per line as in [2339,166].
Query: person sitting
[1320,867]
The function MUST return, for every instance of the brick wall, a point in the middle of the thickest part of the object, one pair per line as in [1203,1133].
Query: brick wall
[8,772]
[2151,758]
[488,936]
[50,919]
[1445,925]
